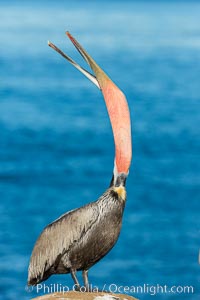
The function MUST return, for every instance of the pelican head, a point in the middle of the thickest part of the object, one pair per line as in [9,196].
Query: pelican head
[117,108]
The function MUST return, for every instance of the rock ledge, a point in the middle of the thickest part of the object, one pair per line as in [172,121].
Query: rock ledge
[85,296]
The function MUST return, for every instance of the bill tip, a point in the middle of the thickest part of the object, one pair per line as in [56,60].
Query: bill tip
[70,36]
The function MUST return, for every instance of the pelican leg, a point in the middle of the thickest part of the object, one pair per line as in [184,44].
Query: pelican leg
[77,284]
[85,280]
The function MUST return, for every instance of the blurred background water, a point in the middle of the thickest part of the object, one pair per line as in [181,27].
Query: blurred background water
[56,145]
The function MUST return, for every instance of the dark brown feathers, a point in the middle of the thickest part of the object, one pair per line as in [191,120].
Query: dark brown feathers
[78,239]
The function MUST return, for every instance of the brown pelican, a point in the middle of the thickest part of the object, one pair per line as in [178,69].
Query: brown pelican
[81,237]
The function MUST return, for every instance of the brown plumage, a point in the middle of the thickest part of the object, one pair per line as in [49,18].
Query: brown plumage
[81,237]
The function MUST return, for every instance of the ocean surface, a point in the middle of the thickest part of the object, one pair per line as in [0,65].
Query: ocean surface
[56,144]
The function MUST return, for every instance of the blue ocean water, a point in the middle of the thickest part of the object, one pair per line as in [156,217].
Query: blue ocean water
[56,144]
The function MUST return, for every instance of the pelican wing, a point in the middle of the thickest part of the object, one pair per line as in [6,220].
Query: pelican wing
[58,237]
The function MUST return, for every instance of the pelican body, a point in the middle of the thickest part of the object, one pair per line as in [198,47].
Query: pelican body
[81,237]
